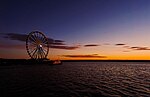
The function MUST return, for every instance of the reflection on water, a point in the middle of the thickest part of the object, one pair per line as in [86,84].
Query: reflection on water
[76,79]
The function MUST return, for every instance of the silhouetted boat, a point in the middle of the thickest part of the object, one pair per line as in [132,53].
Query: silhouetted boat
[57,62]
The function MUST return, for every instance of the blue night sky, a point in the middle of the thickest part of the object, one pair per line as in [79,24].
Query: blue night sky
[95,29]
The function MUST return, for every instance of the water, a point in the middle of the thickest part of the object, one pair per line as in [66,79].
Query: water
[76,79]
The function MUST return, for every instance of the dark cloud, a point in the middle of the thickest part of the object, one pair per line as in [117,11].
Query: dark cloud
[91,45]
[12,46]
[85,56]
[23,37]
[120,44]
[133,47]
[59,41]
[139,48]
[64,47]
[136,48]
[50,40]
[14,36]
[57,44]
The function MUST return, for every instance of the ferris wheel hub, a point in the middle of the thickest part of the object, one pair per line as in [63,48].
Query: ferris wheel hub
[40,45]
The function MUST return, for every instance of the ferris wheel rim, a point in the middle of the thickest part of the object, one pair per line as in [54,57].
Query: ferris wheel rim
[41,49]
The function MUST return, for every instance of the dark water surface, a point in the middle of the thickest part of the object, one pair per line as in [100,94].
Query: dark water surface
[76,79]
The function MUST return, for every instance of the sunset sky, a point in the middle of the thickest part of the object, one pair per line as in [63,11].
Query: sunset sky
[82,29]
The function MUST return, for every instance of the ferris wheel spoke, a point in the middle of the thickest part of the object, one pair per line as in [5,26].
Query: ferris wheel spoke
[35,56]
[32,44]
[31,47]
[43,38]
[33,50]
[34,36]
[43,52]
[39,54]
[45,41]
[40,38]
[37,35]
[32,39]
[44,45]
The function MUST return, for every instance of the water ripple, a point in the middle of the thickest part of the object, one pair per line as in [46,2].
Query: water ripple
[77,79]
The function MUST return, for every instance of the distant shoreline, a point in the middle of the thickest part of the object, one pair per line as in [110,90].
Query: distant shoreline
[106,60]
[23,60]
[10,62]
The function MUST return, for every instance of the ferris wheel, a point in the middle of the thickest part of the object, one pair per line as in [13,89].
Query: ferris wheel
[37,45]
